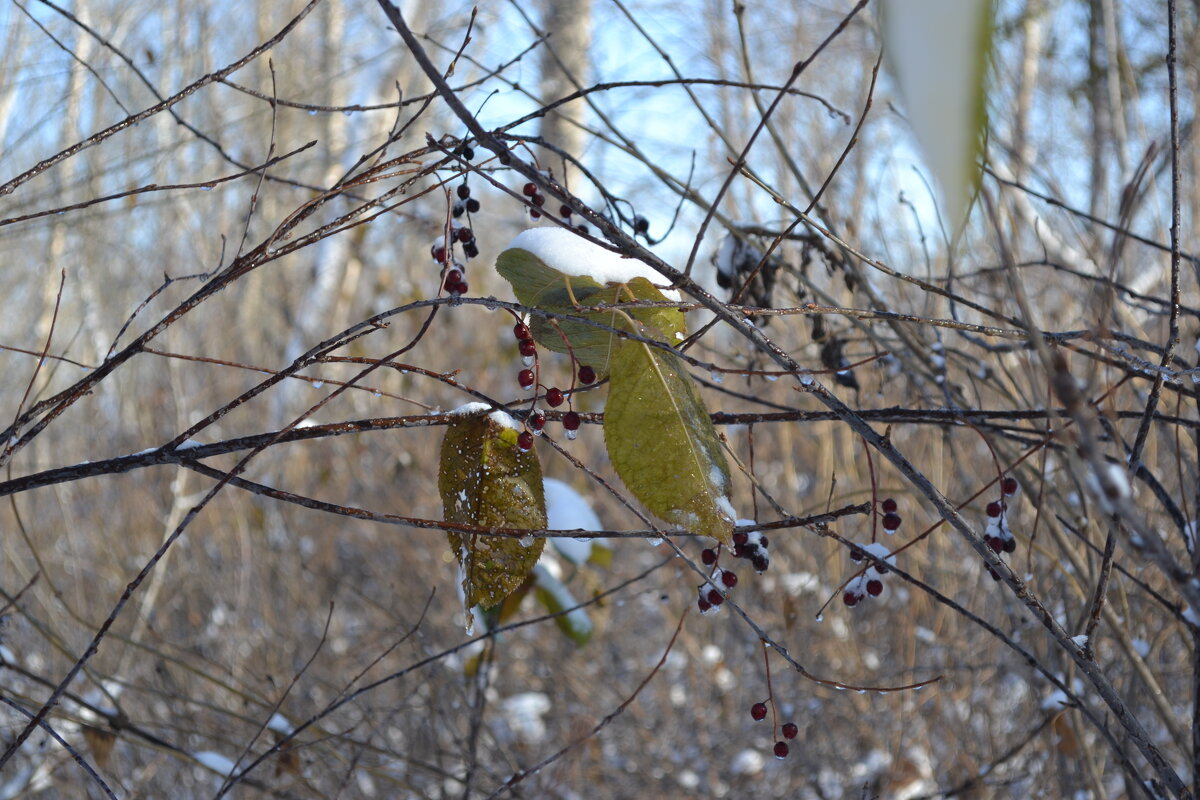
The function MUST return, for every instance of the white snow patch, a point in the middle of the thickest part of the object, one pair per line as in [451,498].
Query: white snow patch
[523,713]
[726,508]
[1141,647]
[280,724]
[501,418]
[747,762]
[1080,641]
[571,254]
[218,763]
[566,509]
[189,444]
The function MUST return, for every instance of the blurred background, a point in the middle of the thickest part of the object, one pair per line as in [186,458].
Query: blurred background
[264,613]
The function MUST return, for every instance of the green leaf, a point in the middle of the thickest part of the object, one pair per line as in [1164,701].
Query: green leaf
[663,444]
[555,597]
[484,479]
[938,50]
[540,286]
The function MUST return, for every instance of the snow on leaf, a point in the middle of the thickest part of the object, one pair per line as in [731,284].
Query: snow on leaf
[555,597]
[662,442]
[571,289]
[938,52]
[567,509]
[570,254]
[484,479]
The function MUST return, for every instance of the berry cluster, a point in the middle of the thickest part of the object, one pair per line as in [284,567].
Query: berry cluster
[891,520]
[870,582]
[466,203]
[752,546]
[997,533]
[453,271]
[554,397]
[536,199]
[758,712]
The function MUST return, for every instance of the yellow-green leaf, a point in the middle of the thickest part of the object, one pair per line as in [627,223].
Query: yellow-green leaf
[540,286]
[484,479]
[662,443]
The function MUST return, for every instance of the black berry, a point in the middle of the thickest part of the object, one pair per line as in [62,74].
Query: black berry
[472,205]
[889,506]
[463,191]
[641,224]
[891,522]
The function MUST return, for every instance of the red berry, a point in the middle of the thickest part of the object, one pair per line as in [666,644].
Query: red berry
[758,711]
[994,509]
[537,421]
[529,190]
[438,253]
[781,749]
[1009,486]
[464,235]
[463,191]
[874,588]
[891,522]
[715,597]
[851,599]
[729,579]
[996,543]
[453,278]
[535,214]
[525,440]
[889,506]
[790,731]
[703,605]
[565,211]
[708,556]
[587,374]
[740,538]
[995,575]
[571,421]
[856,555]
[525,378]
[521,331]
[527,347]
[460,288]
[538,200]
[554,397]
